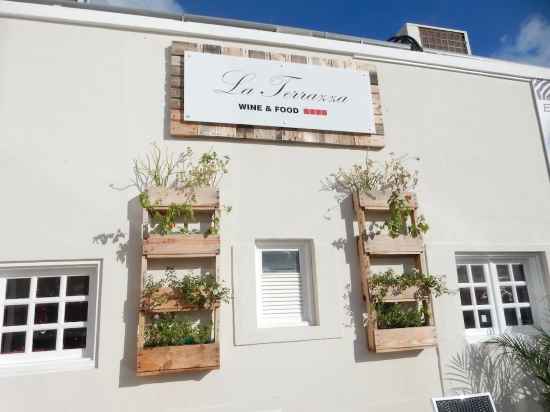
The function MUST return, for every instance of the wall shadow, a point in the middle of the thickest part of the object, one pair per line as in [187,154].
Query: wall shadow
[481,368]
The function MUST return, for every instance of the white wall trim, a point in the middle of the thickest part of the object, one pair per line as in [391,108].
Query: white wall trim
[105,19]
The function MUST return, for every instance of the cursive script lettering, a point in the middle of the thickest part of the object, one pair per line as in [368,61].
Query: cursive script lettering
[238,82]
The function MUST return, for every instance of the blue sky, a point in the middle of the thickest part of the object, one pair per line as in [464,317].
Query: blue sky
[510,29]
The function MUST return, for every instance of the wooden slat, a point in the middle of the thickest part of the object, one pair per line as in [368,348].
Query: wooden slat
[176,359]
[404,339]
[405,296]
[384,244]
[171,304]
[159,246]
[379,200]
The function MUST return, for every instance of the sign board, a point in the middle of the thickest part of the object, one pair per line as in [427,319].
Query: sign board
[238,90]
[541,89]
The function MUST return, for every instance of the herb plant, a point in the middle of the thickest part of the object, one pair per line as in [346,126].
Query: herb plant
[396,315]
[166,170]
[202,291]
[392,177]
[167,330]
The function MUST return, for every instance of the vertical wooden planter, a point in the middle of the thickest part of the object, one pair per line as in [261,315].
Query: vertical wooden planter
[390,340]
[162,360]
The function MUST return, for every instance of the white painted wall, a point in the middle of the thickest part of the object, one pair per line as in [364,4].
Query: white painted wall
[77,104]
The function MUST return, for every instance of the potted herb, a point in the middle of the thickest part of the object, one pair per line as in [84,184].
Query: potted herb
[386,186]
[400,309]
[174,186]
[189,292]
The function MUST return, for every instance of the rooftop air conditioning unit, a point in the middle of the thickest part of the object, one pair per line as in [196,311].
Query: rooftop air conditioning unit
[480,402]
[438,38]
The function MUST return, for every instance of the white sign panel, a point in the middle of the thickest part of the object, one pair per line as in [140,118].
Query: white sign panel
[541,89]
[238,90]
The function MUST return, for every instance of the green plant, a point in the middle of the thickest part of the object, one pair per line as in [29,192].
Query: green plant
[150,296]
[391,177]
[202,291]
[394,315]
[166,170]
[383,284]
[532,354]
[167,330]
[158,168]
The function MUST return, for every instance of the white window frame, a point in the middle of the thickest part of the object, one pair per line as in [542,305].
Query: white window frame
[58,359]
[534,276]
[306,273]
[327,286]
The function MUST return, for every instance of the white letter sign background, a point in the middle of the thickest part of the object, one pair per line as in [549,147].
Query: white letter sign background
[239,90]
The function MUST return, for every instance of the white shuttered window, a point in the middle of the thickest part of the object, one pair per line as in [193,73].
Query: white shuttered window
[285,285]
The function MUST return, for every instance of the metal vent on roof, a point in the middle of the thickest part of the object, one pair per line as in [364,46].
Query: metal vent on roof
[438,38]
[481,402]
[451,41]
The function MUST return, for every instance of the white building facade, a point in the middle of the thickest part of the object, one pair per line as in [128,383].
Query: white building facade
[84,92]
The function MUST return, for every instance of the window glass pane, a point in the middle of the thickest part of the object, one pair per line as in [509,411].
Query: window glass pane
[465,297]
[478,273]
[526,316]
[506,294]
[503,273]
[511,316]
[18,288]
[15,315]
[281,261]
[519,274]
[43,340]
[462,274]
[482,298]
[13,342]
[77,285]
[485,320]
[76,311]
[45,313]
[469,320]
[523,294]
[74,338]
[48,287]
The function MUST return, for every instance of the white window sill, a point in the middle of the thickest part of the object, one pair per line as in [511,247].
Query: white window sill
[485,335]
[50,366]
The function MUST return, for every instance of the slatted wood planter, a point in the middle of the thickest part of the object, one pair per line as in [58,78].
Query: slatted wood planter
[163,246]
[384,244]
[183,358]
[202,199]
[171,303]
[177,359]
[401,339]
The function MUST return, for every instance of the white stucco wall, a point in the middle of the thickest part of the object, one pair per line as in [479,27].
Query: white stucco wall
[77,104]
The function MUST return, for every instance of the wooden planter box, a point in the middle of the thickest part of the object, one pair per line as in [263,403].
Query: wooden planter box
[175,359]
[206,198]
[384,244]
[159,246]
[403,339]
[172,304]
[379,200]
